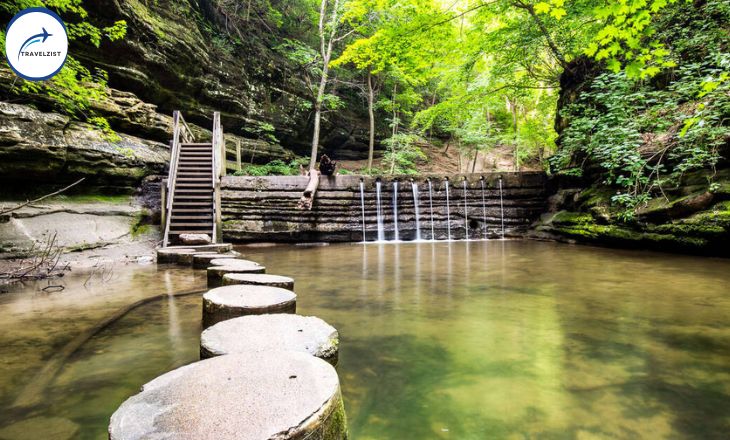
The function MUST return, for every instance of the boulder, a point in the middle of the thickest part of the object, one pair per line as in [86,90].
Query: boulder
[195,239]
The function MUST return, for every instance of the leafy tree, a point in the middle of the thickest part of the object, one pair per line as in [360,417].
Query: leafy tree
[75,87]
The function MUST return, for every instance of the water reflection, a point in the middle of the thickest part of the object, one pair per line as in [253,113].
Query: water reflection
[467,340]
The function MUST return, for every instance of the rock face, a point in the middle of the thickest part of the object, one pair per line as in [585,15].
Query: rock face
[265,208]
[170,59]
[247,334]
[266,395]
[694,218]
[49,148]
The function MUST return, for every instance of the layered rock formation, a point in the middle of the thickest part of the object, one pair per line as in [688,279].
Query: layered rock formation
[693,217]
[175,57]
[265,208]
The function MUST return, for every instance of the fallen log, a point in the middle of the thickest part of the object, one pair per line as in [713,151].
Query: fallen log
[307,199]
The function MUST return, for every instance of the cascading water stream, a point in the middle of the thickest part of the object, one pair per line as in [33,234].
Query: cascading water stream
[430,202]
[448,209]
[466,213]
[501,206]
[414,188]
[362,207]
[395,211]
[484,212]
[379,212]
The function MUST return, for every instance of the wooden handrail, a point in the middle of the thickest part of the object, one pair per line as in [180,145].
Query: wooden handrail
[180,131]
[219,159]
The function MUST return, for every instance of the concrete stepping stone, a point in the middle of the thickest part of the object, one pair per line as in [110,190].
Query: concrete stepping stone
[220,267]
[173,255]
[258,280]
[247,334]
[256,396]
[187,258]
[202,260]
[229,302]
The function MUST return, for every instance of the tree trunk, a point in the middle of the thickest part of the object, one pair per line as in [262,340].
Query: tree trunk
[474,164]
[371,115]
[307,199]
[513,105]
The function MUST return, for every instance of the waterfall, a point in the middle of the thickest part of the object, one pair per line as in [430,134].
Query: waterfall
[395,210]
[362,207]
[501,206]
[430,202]
[448,210]
[466,214]
[381,231]
[414,188]
[484,212]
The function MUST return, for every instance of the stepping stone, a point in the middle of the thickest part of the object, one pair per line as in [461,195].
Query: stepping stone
[202,260]
[258,280]
[187,259]
[229,302]
[248,334]
[173,255]
[255,396]
[215,273]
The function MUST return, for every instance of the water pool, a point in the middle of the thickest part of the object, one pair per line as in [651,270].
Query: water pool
[461,340]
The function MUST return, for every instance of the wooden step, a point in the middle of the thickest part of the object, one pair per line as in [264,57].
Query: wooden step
[183,198]
[183,203]
[197,144]
[185,186]
[191,210]
[209,232]
[194,190]
[185,225]
[204,216]
[181,178]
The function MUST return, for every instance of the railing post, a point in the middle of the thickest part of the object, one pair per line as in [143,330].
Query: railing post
[238,154]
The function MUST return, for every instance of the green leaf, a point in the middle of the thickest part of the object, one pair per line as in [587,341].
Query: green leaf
[542,8]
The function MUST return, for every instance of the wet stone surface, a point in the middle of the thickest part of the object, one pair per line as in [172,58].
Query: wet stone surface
[258,279]
[229,302]
[282,395]
[248,334]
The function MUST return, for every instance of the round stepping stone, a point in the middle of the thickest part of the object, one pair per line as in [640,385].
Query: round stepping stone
[173,255]
[255,396]
[247,334]
[215,273]
[202,260]
[258,280]
[227,262]
[229,302]
[187,259]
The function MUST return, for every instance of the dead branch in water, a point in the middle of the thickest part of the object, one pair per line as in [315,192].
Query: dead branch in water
[41,263]
[22,205]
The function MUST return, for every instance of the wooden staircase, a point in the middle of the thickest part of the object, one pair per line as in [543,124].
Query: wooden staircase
[192,190]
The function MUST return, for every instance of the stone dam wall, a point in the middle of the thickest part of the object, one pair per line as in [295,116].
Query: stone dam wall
[265,208]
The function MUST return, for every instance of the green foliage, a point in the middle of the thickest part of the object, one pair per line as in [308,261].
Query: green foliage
[263,131]
[645,136]
[402,153]
[274,168]
[75,87]
[101,123]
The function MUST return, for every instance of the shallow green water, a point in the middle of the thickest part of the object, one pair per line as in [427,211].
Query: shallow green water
[458,340]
